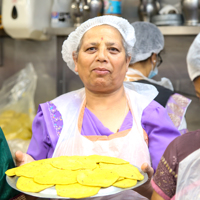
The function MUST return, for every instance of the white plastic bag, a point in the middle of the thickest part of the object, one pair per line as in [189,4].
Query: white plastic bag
[17,108]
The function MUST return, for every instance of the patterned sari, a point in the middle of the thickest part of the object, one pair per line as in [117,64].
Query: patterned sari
[165,179]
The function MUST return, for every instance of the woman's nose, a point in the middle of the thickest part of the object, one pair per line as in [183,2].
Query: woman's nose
[102,55]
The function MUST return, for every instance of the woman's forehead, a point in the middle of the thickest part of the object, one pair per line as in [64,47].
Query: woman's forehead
[102,32]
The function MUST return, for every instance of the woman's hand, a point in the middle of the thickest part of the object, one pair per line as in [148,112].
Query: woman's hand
[146,189]
[156,196]
[22,158]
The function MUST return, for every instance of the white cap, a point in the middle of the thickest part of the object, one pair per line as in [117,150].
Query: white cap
[149,39]
[193,59]
[72,42]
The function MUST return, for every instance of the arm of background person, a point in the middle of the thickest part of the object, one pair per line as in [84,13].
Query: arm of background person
[160,130]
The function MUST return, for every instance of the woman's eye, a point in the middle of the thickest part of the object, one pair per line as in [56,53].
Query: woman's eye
[91,49]
[112,49]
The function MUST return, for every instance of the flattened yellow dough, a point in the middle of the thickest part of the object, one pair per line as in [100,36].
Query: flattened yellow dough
[28,185]
[11,172]
[125,183]
[98,177]
[107,159]
[31,170]
[126,170]
[74,163]
[120,178]
[57,176]
[76,191]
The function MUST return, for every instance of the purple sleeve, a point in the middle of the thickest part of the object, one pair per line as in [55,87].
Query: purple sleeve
[160,130]
[44,137]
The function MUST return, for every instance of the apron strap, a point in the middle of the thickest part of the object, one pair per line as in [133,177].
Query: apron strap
[146,138]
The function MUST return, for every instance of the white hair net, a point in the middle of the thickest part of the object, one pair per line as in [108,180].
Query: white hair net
[149,39]
[72,42]
[193,58]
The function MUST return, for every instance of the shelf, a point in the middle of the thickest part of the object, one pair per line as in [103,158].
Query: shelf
[59,31]
[179,30]
[166,30]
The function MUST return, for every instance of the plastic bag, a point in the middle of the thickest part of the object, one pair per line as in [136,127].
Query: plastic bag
[17,108]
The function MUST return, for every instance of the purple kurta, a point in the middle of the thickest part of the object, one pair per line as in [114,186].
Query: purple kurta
[48,124]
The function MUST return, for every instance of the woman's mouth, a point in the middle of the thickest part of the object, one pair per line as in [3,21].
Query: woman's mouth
[101,71]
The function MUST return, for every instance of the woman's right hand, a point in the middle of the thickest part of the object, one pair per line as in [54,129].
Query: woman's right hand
[146,189]
[22,158]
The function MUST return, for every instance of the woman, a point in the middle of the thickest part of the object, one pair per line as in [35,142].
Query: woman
[180,162]
[105,117]
[193,64]
[144,66]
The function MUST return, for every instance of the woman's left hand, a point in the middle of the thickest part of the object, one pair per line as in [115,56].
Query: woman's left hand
[22,158]
[146,189]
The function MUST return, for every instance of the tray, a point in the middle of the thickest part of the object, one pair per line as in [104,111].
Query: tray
[51,192]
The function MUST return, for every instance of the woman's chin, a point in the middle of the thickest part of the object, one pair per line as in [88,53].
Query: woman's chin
[103,89]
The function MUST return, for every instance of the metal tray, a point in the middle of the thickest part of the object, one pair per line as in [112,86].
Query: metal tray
[51,192]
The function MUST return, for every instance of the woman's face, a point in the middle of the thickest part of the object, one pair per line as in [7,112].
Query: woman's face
[101,62]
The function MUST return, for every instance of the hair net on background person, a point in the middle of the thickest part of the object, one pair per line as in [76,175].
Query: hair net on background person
[149,39]
[72,42]
[193,58]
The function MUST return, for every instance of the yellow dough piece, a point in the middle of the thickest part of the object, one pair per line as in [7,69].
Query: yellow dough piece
[28,185]
[74,163]
[107,159]
[11,172]
[126,170]
[31,169]
[57,176]
[76,190]
[98,177]
[125,183]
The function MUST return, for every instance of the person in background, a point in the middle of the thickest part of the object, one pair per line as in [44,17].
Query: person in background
[144,65]
[6,162]
[177,176]
[105,117]
[193,64]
